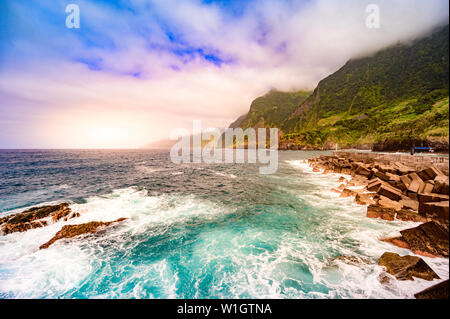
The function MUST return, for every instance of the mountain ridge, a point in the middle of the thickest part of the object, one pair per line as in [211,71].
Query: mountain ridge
[397,96]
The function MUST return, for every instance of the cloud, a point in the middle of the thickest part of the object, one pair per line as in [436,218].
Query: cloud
[137,69]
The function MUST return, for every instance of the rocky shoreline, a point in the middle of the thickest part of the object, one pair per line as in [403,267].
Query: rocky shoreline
[390,191]
[37,217]
[397,191]
[439,145]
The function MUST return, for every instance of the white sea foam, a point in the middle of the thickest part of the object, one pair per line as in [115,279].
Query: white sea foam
[252,262]
[363,281]
[32,273]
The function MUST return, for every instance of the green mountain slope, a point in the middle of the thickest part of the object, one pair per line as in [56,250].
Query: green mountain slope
[400,93]
[272,109]
[397,97]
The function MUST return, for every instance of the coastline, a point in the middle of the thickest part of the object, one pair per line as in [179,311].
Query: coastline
[275,224]
[399,187]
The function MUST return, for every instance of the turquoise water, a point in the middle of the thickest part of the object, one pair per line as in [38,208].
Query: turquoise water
[193,231]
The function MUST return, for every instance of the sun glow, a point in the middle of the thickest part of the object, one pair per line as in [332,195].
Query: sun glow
[105,135]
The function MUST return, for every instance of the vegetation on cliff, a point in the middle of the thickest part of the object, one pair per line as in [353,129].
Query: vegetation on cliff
[399,94]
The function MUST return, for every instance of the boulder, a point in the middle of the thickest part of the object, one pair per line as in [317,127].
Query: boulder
[406,180]
[406,267]
[346,171]
[381,175]
[376,211]
[389,192]
[429,173]
[431,197]
[410,216]
[438,291]
[412,195]
[348,192]
[70,231]
[441,185]
[397,241]
[33,218]
[364,199]
[435,210]
[393,177]
[427,187]
[429,239]
[364,171]
[403,169]
[416,183]
[359,180]
[408,203]
[374,185]
[387,203]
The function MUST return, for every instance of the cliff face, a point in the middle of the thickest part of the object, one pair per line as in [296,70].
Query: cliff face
[272,109]
[393,99]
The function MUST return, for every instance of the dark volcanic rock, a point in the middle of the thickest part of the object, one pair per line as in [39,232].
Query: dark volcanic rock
[410,216]
[70,231]
[397,241]
[376,211]
[31,218]
[406,267]
[437,210]
[429,239]
[441,185]
[439,291]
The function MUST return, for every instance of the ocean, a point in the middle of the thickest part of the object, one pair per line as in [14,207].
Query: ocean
[193,230]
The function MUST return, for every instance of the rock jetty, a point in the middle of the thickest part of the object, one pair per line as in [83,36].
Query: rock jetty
[398,190]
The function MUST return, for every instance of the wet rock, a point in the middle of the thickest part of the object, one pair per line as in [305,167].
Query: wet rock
[32,218]
[428,187]
[359,180]
[408,203]
[403,169]
[70,231]
[430,173]
[364,199]
[435,210]
[441,185]
[429,239]
[376,211]
[374,185]
[397,241]
[439,291]
[406,267]
[410,216]
[381,175]
[387,203]
[390,192]
[406,180]
[349,193]
[364,171]
[334,190]
[412,195]
[416,183]
[431,197]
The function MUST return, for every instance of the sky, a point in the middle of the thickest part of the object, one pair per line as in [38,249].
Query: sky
[137,69]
